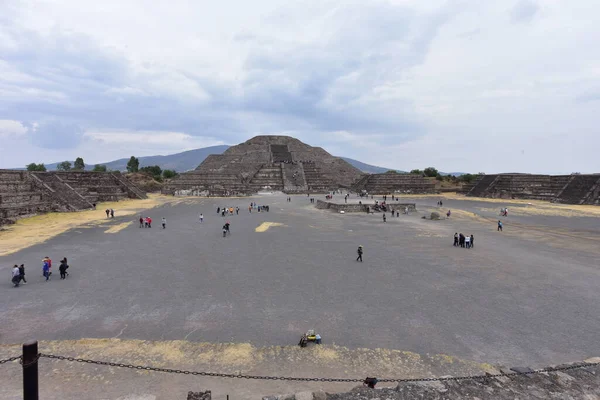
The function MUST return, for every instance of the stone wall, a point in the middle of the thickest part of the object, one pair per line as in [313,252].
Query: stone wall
[352,208]
[25,193]
[571,384]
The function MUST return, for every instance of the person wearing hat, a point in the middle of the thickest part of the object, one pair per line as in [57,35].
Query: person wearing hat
[360,253]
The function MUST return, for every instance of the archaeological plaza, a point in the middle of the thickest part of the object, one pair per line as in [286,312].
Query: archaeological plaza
[227,268]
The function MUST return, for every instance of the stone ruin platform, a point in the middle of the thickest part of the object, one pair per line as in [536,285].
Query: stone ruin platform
[393,182]
[567,189]
[25,193]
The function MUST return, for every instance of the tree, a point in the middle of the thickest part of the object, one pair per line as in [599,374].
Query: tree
[79,165]
[169,173]
[416,172]
[64,166]
[36,167]
[152,170]
[467,178]
[430,172]
[99,168]
[133,164]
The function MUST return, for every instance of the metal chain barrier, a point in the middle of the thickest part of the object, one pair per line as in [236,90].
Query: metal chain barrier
[10,359]
[288,378]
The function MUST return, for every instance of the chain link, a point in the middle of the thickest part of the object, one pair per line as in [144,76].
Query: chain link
[289,378]
[10,359]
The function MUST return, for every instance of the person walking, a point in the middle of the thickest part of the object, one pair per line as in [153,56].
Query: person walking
[164,222]
[384,217]
[112,213]
[16,276]
[107,211]
[237,210]
[472,241]
[218,210]
[46,266]
[455,239]
[360,253]
[141,222]
[63,268]
[201,218]
[468,242]
[499,226]
[461,240]
[149,222]
[22,273]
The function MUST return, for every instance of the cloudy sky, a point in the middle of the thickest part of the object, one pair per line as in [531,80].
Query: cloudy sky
[465,85]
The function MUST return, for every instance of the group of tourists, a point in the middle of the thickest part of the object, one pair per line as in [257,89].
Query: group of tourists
[18,271]
[466,242]
[110,213]
[258,208]
[504,212]
[227,211]
[146,222]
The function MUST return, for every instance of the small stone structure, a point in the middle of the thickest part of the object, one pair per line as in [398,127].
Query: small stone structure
[274,163]
[350,208]
[25,193]
[393,182]
[568,189]
[579,383]
[206,395]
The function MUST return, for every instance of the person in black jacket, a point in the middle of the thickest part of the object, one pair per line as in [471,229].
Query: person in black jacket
[360,253]
[22,273]
[63,268]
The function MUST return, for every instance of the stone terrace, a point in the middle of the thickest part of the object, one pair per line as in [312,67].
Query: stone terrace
[25,193]
[390,182]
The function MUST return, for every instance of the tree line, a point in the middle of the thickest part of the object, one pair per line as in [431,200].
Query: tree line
[133,165]
[432,172]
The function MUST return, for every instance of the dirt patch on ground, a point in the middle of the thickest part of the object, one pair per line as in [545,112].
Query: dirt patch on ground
[37,229]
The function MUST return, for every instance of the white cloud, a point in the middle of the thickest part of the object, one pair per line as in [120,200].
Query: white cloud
[10,128]
[402,83]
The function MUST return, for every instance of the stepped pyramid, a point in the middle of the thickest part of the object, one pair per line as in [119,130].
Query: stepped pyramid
[278,163]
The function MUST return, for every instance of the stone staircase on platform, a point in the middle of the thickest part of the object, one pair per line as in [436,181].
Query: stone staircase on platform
[68,196]
[268,177]
[481,185]
[521,186]
[580,190]
[293,178]
[96,186]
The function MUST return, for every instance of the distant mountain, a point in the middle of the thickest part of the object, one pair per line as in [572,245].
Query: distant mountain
[180,162]
[189,160]
[369,169]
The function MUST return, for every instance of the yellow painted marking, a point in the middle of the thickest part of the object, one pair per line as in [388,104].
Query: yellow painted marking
[266,225]
[118,228]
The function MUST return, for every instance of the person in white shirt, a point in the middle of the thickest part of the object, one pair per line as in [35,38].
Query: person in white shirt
[164,222]
[201,218]
[468,242]
[16,276]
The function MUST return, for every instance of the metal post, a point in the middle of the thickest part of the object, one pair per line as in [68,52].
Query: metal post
[30,371]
